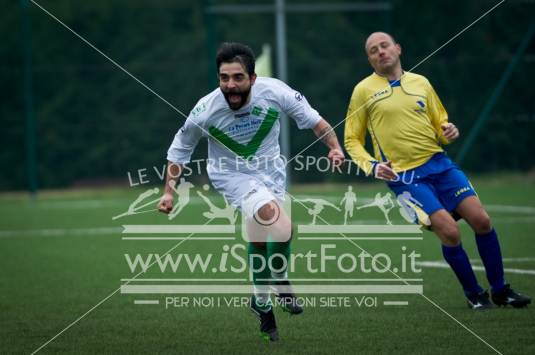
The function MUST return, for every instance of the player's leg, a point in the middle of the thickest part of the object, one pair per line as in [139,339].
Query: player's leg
[452,187]
[424,196]
[447,230]
[271,222]
[278,226]
[268,223]
[473,212]
[258,220]
[459,197]
[249,195]
[260,302]
[261,274]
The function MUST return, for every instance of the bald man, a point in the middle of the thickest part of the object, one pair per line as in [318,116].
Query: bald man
[408,126]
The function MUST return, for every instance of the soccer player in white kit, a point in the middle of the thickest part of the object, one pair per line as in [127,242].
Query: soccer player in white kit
[240,119]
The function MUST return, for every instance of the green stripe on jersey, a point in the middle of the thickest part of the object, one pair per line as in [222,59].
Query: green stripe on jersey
[249,150]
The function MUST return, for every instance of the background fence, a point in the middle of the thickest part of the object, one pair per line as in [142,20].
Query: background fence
[88,122]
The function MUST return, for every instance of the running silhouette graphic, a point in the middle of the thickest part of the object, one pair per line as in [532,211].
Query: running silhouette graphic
[318,206]
[134,208]
[350,199]
[182,190]
[227,212]
[384,203]
[408,207]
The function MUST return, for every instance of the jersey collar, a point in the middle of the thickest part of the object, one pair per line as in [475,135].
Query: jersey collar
[403,74]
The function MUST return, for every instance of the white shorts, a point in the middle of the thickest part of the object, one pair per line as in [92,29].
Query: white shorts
[248,192]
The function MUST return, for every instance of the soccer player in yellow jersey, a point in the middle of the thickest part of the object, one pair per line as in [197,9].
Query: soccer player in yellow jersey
[408,126]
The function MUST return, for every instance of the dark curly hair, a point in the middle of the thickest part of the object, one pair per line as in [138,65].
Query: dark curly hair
[231,52]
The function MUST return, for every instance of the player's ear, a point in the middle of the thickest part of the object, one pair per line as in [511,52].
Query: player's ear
[371,63]
[253,78]
[398,46]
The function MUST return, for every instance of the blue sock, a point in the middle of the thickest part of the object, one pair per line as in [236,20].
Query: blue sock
[489,251]
[458,260]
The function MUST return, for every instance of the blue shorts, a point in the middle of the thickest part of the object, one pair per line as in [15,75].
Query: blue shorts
[437,184]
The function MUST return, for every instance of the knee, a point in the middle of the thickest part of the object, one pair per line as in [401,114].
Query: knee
[282,231]
[449,234]
[267,212]
[275,222]
[481,223]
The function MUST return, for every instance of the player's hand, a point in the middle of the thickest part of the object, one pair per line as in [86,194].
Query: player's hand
[451,132]
[336,156]
[166,203]
[385,172]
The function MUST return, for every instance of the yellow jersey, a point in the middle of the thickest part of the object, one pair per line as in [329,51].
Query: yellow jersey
[404,121]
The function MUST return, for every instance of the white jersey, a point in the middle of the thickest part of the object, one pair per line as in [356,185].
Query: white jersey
[245,141]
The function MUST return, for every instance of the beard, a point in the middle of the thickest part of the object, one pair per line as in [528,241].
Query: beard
[230,97]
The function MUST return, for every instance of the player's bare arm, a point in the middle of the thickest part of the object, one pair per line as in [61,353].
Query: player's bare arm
[325,132]
[173,173]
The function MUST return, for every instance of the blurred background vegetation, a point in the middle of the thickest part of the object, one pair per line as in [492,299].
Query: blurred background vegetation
[94,123]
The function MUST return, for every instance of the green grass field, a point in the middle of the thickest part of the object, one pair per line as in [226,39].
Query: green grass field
[62,254]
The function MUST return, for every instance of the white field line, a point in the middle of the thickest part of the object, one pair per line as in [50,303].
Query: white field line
[96,231]
[510,208]
[94,203]
[179,238]
[513,220]
[194,200]
[444,265]
[508,260]
[518,260]
[490,208]
[347,280]
[60,232]
[185,280]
